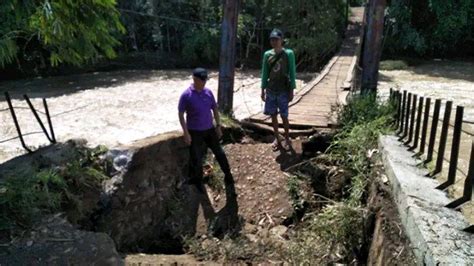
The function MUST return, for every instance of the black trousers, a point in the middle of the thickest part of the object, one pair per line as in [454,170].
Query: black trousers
[200,141]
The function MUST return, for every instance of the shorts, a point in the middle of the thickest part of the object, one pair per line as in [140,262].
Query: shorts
[276,103]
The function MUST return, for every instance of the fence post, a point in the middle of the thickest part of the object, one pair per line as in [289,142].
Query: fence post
[412,119]
[453,161]
[399,105]
[402,112]
[468,183]
[443,138]
[407,118]
[46,109]
[434,128]
[15,120]
[37,117]
[424,129]
[418,123]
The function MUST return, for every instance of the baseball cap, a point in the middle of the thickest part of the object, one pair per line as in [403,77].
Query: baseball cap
[276,33]
[200,73]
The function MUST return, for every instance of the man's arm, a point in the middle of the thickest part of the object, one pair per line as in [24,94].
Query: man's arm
[264,74]
[182,121]
[217,117]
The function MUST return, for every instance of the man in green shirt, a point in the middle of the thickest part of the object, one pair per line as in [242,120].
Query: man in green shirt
[278,84]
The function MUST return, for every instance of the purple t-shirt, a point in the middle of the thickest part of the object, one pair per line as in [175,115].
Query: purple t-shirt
[198,106]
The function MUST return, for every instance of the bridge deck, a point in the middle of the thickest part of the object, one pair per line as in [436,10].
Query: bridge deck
[315,105]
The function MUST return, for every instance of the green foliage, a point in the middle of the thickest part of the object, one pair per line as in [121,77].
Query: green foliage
[338,228]
[228,121]
[357,2]
[215,178]
[191,29]
[58,31]
[363,109]
[313,29]
[364,118]
[41,34]
[202,45]
[430,27]
[22,198]
[25,196]
[294,190]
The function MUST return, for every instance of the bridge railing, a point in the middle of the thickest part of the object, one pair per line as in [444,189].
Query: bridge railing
[414,119]
[49,135]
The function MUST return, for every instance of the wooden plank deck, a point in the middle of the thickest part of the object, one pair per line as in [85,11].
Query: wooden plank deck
[316,104]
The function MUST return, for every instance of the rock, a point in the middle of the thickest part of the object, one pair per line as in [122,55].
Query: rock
[206,243]
[250,228]
[120,162]
[61,244]
[252,238]
[278,231]
[147,194]
[52,155]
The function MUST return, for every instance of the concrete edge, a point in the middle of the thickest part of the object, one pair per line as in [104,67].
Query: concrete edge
[434,231]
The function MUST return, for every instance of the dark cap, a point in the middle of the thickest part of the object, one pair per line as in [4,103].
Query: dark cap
[200,73]
[276,33]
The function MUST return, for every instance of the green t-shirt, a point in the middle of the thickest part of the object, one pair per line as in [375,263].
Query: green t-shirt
[282,76]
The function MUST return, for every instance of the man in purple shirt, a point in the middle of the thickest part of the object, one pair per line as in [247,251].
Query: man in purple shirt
[197,102]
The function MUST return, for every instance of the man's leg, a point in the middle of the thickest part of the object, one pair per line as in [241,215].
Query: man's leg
[275,128]
[212,142]
[283,106]
[271,109]
[286,125]
[196,153]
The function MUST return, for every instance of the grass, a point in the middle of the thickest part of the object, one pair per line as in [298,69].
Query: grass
[228,121]
[22,198]
[26,196]
[332,234]
[215,179]
[233,249]
[294,190]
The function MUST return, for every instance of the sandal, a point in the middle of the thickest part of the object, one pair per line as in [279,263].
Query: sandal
[276,145]
[287,145]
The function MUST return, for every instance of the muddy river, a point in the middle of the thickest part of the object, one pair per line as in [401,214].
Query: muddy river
[112,108]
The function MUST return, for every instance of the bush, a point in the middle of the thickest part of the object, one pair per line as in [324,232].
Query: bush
[333,234]
[362,109]
[24,197]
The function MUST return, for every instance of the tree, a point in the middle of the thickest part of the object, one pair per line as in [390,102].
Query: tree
[430,27]
[51,32]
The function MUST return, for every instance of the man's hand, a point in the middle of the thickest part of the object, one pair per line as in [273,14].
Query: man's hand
[219,132]
[291,95]
[263,95]
[187,138]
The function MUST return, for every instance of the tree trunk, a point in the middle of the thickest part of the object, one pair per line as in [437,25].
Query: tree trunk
[227,56]
[373,45]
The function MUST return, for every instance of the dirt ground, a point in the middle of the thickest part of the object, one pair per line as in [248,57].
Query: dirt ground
[445,80]
[264,204]
[112,108]
[262,195]
[261,183]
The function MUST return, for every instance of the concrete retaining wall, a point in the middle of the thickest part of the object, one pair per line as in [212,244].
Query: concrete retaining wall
[435,232]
